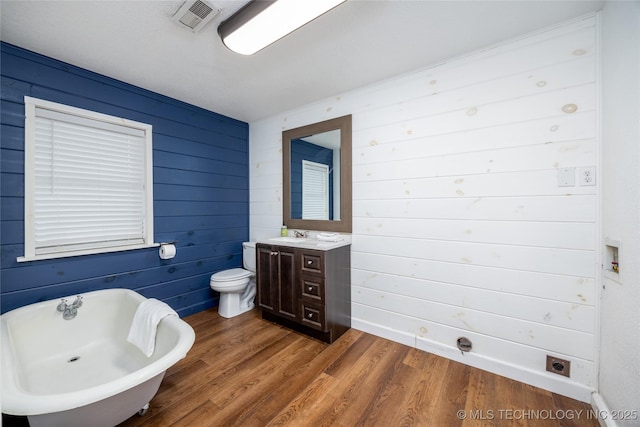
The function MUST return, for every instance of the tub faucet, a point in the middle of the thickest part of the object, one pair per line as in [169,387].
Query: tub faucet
[70,311]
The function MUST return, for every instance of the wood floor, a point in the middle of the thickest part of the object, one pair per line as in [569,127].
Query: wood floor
[246,371]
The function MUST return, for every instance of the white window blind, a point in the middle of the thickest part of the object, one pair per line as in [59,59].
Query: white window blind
[88,182]
[315,190]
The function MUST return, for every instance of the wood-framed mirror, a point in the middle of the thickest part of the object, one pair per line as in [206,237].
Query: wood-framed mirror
[316,178]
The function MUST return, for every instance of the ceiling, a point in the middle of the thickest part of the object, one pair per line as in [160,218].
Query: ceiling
[355,44]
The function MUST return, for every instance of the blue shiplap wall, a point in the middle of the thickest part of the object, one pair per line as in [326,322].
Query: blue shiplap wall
[201,190]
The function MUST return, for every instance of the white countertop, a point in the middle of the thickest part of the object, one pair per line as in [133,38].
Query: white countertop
[311,242]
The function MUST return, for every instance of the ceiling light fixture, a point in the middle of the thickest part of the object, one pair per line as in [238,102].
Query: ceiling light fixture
[262,22]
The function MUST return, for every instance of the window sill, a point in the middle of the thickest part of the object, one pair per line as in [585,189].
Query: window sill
[85,252]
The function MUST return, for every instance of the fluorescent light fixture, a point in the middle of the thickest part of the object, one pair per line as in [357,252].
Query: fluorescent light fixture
[262,22]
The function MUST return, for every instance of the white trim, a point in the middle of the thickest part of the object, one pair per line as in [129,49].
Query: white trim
[602,410]
[29,175]
[86,252]
[599,246]
[88,114]
[33,109]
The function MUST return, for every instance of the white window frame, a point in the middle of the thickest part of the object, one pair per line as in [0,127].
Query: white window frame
[319,184]
[88,119]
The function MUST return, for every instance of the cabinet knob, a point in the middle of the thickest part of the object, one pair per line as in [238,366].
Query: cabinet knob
[274,253]
[309,262]
[310,315]
[310,288]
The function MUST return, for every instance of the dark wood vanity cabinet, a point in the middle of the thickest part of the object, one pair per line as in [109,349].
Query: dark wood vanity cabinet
[305,289]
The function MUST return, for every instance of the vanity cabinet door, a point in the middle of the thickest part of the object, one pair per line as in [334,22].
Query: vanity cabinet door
[287,295]
[267,278]
[275,270]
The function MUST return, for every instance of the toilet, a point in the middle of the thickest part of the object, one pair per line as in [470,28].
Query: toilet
[237,286]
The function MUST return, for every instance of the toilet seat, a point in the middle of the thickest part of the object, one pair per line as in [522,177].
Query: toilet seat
[232,274]
[233,280]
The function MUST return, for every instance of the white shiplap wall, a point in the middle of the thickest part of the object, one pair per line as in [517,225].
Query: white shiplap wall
[459,225]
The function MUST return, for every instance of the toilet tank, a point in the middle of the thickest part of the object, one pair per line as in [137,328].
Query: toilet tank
[249,256]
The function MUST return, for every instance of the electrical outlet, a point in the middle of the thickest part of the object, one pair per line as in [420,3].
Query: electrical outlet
[587,176]
[558,366]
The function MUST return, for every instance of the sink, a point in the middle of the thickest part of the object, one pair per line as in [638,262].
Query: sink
[289,239]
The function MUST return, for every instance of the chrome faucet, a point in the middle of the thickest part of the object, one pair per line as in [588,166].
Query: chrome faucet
[300,233]
[70,311]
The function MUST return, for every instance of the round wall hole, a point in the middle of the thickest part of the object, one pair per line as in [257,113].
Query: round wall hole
[464,344]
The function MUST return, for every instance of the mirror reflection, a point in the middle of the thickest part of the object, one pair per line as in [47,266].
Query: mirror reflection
[317,176]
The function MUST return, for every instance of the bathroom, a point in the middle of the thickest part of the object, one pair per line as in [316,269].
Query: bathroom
[495,212]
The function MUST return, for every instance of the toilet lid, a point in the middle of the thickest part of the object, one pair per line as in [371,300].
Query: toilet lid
[233,274]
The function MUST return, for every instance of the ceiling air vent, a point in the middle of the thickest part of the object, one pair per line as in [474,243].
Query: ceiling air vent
[195,14]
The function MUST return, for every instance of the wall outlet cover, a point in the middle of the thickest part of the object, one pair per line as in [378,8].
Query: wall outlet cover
[558,366]
[566,177]
[587,176]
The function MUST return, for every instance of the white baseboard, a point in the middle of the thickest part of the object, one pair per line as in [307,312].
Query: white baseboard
[544,380]
[602,409]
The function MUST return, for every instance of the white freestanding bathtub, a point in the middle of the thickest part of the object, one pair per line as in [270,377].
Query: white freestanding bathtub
[82,371]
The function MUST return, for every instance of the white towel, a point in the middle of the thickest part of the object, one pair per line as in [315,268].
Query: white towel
[145,323]
[329,237]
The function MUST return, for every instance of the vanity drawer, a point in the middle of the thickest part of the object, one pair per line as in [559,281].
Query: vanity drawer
[313,316]
[312,262]
[312,288]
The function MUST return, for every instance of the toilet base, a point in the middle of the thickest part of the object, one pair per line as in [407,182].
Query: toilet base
[231,306]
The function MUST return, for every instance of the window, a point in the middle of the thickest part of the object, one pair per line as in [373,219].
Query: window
[315,190]
[88,182]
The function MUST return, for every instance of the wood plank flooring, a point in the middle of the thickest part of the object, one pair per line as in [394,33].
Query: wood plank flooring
[246,371]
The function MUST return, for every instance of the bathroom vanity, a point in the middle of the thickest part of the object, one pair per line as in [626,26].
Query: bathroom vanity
[305,286]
